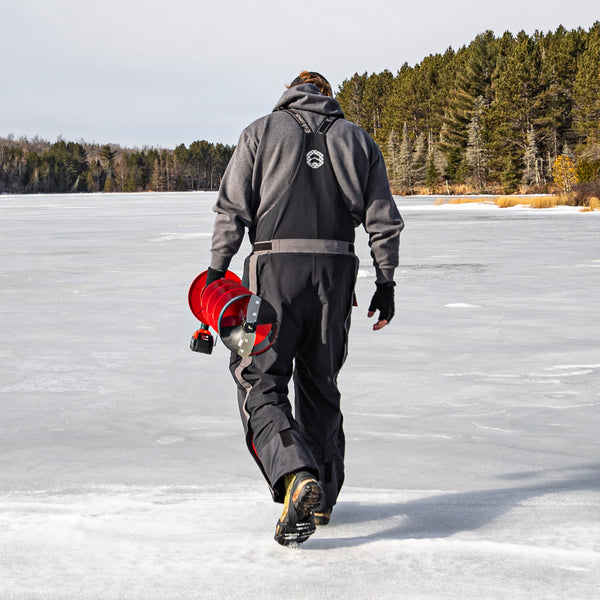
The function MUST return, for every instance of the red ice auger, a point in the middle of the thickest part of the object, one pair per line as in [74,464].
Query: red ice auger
[246,323]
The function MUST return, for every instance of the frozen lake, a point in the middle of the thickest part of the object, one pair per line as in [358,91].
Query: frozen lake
[472,420]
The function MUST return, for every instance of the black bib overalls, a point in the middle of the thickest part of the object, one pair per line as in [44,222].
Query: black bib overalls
[303,263]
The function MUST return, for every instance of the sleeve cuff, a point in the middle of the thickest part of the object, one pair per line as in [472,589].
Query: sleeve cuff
[220,263]
[384,275]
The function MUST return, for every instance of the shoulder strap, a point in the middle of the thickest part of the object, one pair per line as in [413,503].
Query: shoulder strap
[326,123]
[323,127]
[300,119]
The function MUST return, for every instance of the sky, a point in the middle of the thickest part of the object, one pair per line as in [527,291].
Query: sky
[161,73]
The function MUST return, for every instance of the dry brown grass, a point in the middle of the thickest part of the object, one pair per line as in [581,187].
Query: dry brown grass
[460,189]
[507,201]
[593,204]
[461,200]
[544,201]
[467,200]
[567,199]
[564,200]
[541,201]
[421,191]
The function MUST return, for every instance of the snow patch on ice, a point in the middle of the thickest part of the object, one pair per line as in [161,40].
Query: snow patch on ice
[461,305]
[166,440]
[594,366]
[171,237]
[364,274]
[381,435]
[484,375]
[487,427]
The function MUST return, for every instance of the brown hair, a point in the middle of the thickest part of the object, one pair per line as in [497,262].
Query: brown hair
[314,78]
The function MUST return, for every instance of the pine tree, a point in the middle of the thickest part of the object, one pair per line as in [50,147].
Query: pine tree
[511,112]
[531,172]
[108,163]
[391,156]
[350,96]
[432,176]
[476,153]
[376,92]
[586,93]
[405,166]
[552,115]
[441,164]
[436,164]
[419,162]
[477,66]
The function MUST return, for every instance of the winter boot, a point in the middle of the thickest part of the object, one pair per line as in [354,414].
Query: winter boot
[297,522]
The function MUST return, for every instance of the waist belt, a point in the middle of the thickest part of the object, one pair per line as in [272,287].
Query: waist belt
[301,246]
[310,246]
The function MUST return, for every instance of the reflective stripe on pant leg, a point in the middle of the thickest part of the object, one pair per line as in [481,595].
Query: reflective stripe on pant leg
[253,272]
[238,375]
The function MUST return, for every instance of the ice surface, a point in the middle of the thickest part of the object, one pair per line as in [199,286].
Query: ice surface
[473,453]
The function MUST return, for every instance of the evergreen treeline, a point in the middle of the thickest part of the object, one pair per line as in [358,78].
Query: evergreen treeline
[37,166]
[502,114]
[493,116]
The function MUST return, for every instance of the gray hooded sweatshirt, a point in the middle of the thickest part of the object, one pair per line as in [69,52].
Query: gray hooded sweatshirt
[265,160]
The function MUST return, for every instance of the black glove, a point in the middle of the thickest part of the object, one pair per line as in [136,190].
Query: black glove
[383,301]
[213,275]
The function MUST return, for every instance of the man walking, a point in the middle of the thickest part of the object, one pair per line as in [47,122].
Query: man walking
[300,180]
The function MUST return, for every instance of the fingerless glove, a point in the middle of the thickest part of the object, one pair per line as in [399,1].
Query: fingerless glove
[383,301]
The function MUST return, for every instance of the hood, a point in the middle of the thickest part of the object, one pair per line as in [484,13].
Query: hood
[307,96]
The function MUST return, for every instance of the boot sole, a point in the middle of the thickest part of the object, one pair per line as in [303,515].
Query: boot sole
[305,498]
